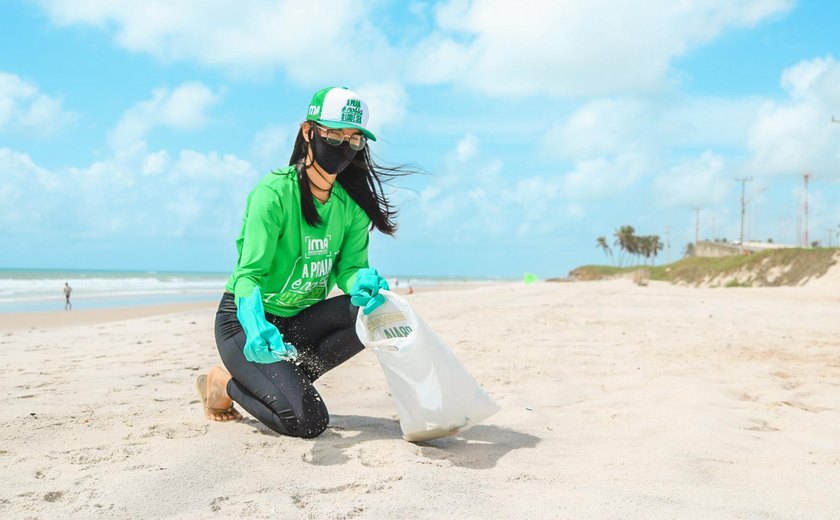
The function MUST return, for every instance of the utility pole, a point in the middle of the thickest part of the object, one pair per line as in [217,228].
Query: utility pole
[743,181]
[806,176]
[668,242]
[696,228]
[829,236]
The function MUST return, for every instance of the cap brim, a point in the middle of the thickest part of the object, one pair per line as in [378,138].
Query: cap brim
[341,124]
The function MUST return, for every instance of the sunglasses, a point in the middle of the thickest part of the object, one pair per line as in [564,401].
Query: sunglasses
[336,138]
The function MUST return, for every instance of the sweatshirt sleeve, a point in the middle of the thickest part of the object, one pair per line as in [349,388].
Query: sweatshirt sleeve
[354,251]
[261,231]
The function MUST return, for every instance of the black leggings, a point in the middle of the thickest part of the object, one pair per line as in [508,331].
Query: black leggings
[280,395]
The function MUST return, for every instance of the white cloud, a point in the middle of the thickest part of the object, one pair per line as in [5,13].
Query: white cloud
[816,80]
[418,8]
[134,193]
[604,177]
[706,121]
[580,47]
[608,127]
[23,106]
[155,163]
[35,193]
[602,127]
[313,43]
[183,108]
[573,47]
[436,206]
[695,182]
[797,135]
[466,148]
[271,145]
[387,102]
[209,167]
[474,199]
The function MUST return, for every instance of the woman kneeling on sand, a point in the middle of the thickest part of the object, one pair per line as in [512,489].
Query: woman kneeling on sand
[305,230]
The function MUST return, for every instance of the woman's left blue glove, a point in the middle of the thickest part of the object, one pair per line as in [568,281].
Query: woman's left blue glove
[263,342]
[365,291]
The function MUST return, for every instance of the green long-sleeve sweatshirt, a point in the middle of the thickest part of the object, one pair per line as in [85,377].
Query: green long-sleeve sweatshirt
[296,265]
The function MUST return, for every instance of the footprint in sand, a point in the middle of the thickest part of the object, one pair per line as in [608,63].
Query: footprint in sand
[97,455]
[185,431]
[53,496]
[313,500]
[802,406]
[788,383]
[761,426]
[146,467]
[299,500]
[351,487]
[373,458]
[216,503]
[522,477]
[47,474]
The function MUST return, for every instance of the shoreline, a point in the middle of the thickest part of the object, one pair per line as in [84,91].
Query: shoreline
[15,321]
[21,320]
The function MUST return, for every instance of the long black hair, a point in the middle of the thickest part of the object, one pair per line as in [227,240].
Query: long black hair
[362,179]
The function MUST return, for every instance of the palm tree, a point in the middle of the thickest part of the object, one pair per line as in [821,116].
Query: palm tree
[636,246]
[602,243]
[641,245]
[649,246]
[624,239]
[657,246]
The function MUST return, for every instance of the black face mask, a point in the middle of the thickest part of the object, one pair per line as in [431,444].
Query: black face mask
[333,159]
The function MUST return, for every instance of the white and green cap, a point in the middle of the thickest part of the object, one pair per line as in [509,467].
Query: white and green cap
[339,107]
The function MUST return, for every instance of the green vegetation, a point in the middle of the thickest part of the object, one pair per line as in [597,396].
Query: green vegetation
[736,283]
[775,267]
[629,243]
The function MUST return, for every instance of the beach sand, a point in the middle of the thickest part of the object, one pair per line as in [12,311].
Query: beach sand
[618,401]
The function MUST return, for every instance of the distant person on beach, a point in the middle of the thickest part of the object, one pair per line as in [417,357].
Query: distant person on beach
[305,229]
[67,291]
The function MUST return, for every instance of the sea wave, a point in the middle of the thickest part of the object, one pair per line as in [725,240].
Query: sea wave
[29,288]
[26,288]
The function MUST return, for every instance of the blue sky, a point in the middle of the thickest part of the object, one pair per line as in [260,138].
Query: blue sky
[131,132]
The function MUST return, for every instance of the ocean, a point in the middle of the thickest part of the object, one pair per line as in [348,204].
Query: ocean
[27,290]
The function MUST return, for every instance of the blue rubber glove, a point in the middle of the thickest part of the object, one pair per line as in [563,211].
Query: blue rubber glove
[263,342]
[365,292]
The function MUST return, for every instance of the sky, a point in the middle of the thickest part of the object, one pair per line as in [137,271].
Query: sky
[132,132]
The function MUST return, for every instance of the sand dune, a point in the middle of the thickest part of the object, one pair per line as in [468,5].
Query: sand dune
[618,401]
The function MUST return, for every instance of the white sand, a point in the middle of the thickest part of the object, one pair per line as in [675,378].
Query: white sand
[618,401]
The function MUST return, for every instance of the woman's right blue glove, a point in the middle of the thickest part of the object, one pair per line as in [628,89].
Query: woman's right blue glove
[263,342]
[365,291]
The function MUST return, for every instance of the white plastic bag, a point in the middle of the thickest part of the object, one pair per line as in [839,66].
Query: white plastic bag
[434,394]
